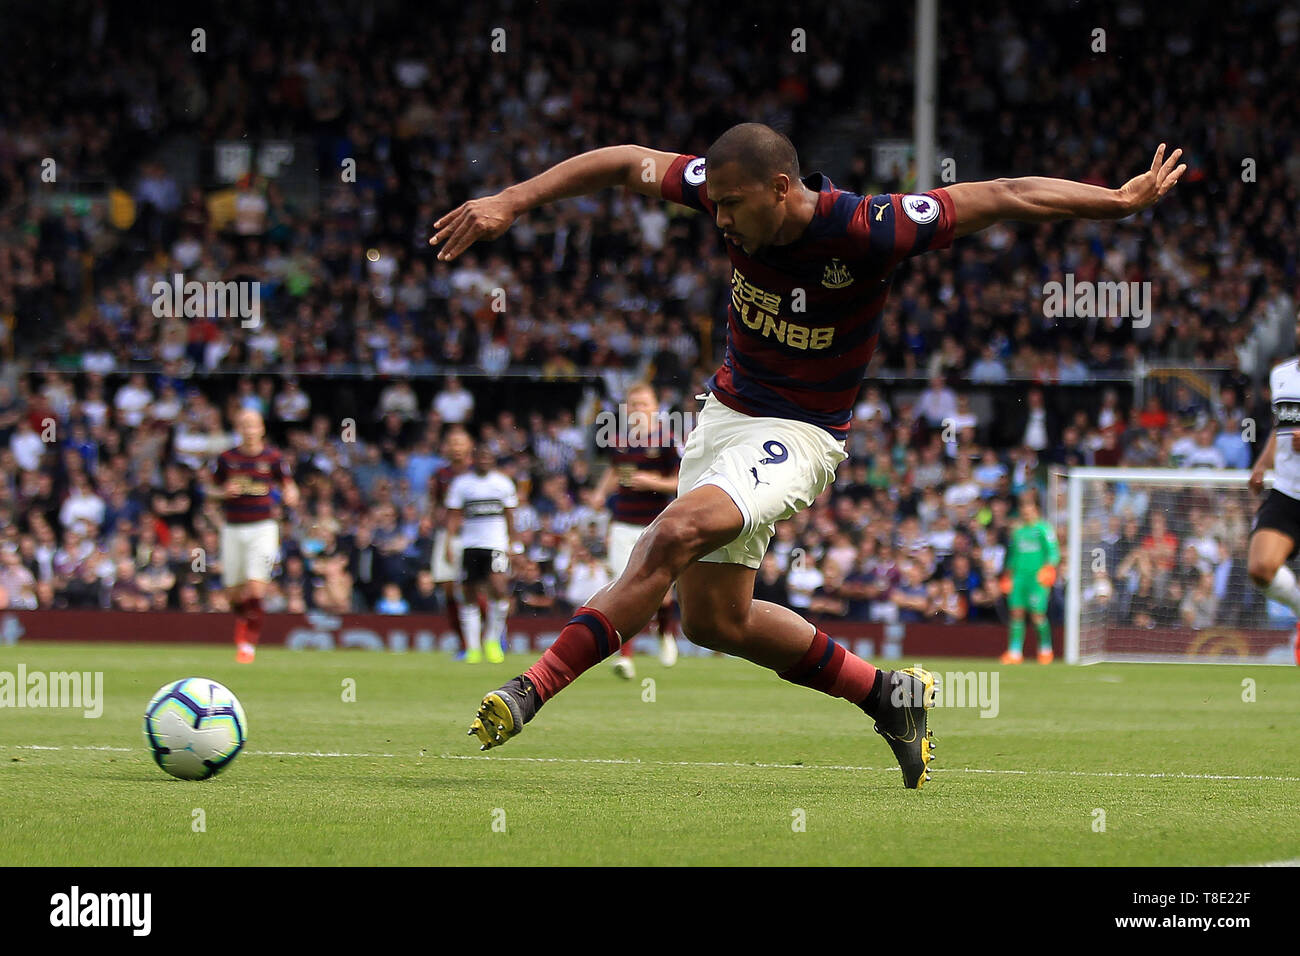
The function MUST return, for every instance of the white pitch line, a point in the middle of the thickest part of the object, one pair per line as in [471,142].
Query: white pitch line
[799,766]
[255,753]
[312,753]
[722,763]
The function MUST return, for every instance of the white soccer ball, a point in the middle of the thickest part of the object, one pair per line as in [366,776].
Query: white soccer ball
[194,728]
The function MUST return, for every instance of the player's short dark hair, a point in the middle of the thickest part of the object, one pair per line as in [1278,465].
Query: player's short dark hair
[760,151]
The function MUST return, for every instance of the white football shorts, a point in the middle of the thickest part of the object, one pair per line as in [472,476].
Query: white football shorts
[772,468]
[248,551]
[442,571]
[619,544]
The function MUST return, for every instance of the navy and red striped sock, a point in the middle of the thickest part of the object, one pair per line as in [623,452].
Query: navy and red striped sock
[584,642]
[831,669]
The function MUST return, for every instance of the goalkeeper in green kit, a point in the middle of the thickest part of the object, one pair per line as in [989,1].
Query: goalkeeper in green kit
[1032,557]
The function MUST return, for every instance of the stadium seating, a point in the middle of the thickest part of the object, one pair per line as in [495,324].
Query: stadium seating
[359,323]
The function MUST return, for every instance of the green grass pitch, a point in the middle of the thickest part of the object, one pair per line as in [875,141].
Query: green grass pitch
[720,768]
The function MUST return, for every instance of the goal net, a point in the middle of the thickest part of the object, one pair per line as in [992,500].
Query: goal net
[1156,570]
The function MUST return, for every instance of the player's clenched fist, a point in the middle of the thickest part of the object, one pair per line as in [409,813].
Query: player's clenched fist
[486,218]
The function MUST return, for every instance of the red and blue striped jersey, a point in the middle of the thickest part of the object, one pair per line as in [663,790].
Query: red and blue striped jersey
[804,318]
[442,479]
[257,476]
[641,507]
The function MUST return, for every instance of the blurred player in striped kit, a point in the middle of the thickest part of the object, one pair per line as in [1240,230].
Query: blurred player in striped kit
[639,484]
[244,478]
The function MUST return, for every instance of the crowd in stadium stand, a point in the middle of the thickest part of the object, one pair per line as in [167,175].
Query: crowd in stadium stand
[108,509]
[115,514]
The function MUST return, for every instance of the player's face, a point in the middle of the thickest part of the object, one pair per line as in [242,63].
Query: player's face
[484,460]
[641,408]
[251,429]
[459,447]
[749,212]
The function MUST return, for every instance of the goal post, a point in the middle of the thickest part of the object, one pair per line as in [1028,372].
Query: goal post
[1156,569]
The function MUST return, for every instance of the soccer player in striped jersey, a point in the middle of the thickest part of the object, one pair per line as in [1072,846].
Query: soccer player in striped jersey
[810,271]
[639,483]
[244,478]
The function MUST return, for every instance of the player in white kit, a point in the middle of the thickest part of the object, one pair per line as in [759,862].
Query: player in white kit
[1274,537]
[458,448]
[480,511]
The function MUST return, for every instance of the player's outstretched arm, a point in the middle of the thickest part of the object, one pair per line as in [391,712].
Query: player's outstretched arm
[1040,199]
[636,167]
